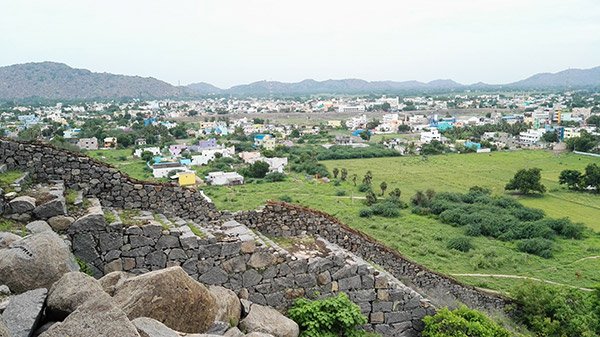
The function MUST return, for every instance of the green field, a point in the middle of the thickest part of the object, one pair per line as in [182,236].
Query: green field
[124,161]
[423,239]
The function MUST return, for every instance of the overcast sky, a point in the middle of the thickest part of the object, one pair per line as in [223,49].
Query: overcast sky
[228,42]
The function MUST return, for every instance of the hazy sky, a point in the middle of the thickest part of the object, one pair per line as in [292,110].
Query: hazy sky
[227,42]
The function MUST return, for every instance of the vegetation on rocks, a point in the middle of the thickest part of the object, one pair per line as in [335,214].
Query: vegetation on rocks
[462,322]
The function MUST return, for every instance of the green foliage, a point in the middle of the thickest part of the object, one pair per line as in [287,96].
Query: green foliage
[84,267]
[550,137]
[386,209]
[370,198]
[147,156]
[526,181]
[460,243]
[556,312]
[433,148]
[462,322]
[364,188]
[584,143]
[340,193]
[329,317]
[257,170]
[365,213]
[537,246]
[576,180]
[335,172]
[275,176]
[285,198]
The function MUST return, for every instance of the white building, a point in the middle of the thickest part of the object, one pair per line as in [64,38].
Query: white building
[207,155]
[162,170]
[276,164]
[88,143]
[531,136]
[224,178]
[432,134]
[352,108]
[357,122]
[154,150]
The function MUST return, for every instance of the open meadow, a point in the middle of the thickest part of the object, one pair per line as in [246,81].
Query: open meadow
[493,264]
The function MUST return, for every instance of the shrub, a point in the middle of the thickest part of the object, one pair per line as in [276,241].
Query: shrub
[370,198]
[285,198]
[460,243]
[364,188]
[461,322]
[333,316]
[366,213]
[386,209]
[275,176]
[536,246]
[340,193]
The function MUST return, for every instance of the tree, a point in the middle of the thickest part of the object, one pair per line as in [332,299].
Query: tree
[370,198]
[354,177]
[344,175]
[383,187]
[550,137]
[257,170]
[386,106]
[572,178]
[147,156]
[594,120]
[592,177]
[526,181]
[335,171]
[365,135]
[395,193]
[368,178]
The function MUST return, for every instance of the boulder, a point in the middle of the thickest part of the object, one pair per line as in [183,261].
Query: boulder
[260,260]
[38,227]
[7,238]
[22,204]
[229,308]
[60,222]
[234,332]
[110,282]
[70,291]
[51,208]
[4,332]
[92,222]
[169,296]
[24,312]
[35,261]
[148,327]
[258,334]
[270,321]
[98,318]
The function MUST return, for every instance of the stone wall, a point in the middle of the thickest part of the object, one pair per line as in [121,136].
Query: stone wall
[282,219]
[265,274]
[112,187]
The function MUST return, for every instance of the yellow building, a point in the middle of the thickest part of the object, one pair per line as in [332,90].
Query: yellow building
[186,178]
[334,123]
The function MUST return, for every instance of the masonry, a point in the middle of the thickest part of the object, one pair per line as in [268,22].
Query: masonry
[113,188]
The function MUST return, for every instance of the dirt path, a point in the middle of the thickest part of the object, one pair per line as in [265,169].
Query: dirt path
[521,278]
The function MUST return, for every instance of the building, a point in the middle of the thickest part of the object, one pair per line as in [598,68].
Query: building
[249,157]
[265,141]
[224,178]
[431,135]
[531,136]
[334,123]
[140,142]
[276,164]
[207,155]
[357,122]
[176,149]
[186,178]
[110,142]
[88,143]
[154,150]
[162,170]
[352,108]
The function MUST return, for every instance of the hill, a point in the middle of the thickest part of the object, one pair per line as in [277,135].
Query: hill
[50,80]
[571,78]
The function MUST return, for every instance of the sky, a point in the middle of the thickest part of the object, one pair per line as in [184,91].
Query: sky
[229,42]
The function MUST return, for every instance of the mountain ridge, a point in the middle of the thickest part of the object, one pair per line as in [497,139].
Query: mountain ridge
[52,80]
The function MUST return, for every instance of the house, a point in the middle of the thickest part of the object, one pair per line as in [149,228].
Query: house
[276,164]
[186,178]
[249,157]
[431,135]
[88,143]
[71,133]
[204,145]
[162,170]
[110,142]
[176,149]
[357,122]
[224,178]
[265,141]
[334,123]
[140,142]
[531,136]
[154,150]
[207,155]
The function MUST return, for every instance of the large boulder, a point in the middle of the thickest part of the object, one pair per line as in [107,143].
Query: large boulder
[270,321]
[35,261]
[24,312]
[7,238]
[98,318]
[70,291]
[112,281]
[169,296]
[51,208]
[60,222]
[229,308]
[38,227]
[22,204]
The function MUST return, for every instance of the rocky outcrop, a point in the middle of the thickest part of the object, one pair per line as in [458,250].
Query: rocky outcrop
[169,296]
[35,261]
[268,320]
[229,308]
[71,291]
[24,312]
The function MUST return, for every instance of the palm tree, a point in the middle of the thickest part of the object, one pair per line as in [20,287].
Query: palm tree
[336,171]
[344,175]
[354,177]
[383,187]
[368,179]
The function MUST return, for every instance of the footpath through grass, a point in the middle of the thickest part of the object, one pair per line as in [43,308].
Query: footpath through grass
[575,263]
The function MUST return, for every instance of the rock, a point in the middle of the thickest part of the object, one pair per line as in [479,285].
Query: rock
[60,222]
[229,308]
[24,312]
[110,282]
[7,238]
[35,261]
[268,320]
[20,205]
[43,328]
[38,227]
[260,260]
[51,208]
[234,332]
[258,334]
[4,332]
[98,318]
[169,296]
[4,290]
[92,222]
[70,291]
[218,328]
[148,327]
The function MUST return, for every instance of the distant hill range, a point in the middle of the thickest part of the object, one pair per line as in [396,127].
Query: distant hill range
[57,81]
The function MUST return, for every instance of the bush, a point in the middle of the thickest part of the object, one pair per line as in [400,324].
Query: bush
[340,193]
[386,209]
[275,176]
[329,317]
[461,322]
[364,188]
[366,213]
[460,243]
[285,198]
[536,246]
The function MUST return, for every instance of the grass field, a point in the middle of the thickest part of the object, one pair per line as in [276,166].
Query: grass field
[124,161]
[575,263]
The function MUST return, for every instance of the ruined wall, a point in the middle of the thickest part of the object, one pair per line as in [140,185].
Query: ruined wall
[112,187]
[282,219]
